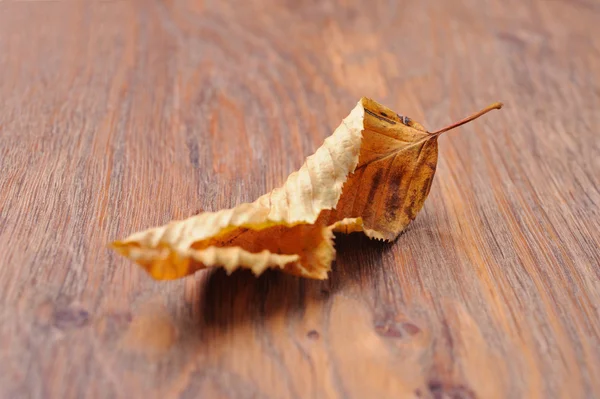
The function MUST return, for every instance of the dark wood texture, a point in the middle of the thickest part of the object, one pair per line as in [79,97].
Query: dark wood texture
[121,115]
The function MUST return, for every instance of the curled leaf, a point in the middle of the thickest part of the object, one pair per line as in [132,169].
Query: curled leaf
[372,174]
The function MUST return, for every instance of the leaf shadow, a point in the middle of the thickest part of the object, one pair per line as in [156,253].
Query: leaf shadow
[228,301]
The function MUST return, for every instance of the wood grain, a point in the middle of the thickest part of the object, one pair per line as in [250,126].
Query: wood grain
[121,115]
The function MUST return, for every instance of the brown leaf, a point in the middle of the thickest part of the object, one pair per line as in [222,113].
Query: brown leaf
[372,174]
[393,176]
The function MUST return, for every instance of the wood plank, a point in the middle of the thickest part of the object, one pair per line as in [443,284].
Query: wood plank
[121,115]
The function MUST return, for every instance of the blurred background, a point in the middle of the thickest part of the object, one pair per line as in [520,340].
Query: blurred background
[117,115]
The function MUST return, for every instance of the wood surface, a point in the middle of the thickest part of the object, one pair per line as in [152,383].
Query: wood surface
[121,115]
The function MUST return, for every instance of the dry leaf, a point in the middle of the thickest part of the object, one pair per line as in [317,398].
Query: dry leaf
[372,175]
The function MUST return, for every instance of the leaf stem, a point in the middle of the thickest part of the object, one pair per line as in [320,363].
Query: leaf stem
[468,119]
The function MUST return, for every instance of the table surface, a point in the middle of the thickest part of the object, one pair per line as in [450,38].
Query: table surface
[121,115]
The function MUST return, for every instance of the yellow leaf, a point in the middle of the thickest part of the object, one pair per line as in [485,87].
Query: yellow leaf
[372,175]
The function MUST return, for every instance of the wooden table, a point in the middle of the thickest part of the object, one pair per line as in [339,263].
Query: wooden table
[121,115]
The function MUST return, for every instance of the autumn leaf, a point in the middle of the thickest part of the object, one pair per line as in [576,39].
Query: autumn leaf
[372,174]
[398,158]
